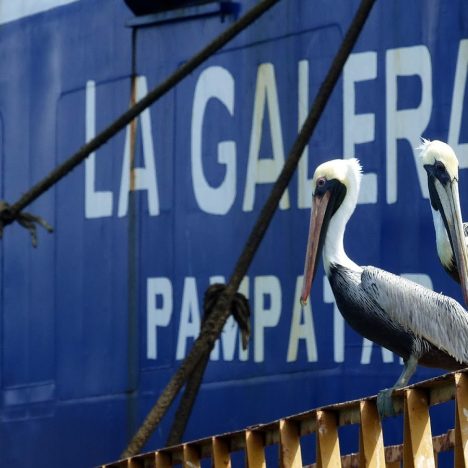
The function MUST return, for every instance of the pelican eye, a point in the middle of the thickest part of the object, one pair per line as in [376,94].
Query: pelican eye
[321,182]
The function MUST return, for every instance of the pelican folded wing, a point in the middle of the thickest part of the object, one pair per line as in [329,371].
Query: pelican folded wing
[437,318]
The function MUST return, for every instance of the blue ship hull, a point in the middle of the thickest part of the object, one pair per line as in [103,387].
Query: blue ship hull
[97,318]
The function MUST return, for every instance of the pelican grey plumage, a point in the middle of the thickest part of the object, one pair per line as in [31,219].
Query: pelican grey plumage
[414,322]
[441,164]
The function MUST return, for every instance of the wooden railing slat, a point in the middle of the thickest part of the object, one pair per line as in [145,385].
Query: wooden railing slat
[221,456]
[290,446]
[255,449]
[461,421]
[328,444]
[191,456]
[372,452]
[417,446]
[163,460]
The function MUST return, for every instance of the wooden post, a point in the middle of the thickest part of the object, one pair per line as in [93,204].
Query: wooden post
[461,421]
[417,446]
[328,444]
[163,460]
[191,456]
[290,445]
[255,449]
[221,457]
[131,463]
[371,443]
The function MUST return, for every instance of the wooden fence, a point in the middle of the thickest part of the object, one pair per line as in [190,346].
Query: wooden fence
[419,448]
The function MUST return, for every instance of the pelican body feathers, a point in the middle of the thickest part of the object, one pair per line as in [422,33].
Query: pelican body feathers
[403,316]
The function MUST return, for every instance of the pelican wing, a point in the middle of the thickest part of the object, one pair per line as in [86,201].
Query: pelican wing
[437,318]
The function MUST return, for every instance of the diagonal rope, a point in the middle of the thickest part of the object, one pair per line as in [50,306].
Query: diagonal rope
[10,213]
[182,415]
[240,310]
[221,311]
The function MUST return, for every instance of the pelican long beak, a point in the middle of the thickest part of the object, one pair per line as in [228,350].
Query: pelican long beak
[317,231]
[450,202]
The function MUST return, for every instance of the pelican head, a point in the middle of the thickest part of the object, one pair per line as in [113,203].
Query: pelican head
[335,188]
[441,164]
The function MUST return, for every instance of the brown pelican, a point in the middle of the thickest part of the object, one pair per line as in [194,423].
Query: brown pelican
[414,322]
[441,165]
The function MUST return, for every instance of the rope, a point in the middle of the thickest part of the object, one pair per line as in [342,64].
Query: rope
[187,401]
[240,310]
[215,322]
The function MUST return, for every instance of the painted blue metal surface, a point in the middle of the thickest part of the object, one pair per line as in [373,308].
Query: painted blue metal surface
[94,321]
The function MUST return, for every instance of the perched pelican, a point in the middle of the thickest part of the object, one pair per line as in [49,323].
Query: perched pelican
[414,322]
[441,165]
